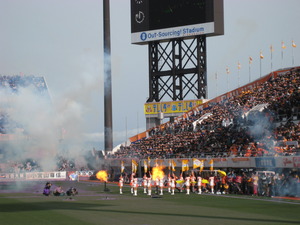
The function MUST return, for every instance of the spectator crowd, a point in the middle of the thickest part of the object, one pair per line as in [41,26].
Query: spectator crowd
[263,121]
[15,82]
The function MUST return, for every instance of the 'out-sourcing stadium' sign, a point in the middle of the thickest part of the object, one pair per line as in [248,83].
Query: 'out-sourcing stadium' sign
[153,20]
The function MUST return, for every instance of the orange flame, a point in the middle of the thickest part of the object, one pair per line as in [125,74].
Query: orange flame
[157,172]
[102,175]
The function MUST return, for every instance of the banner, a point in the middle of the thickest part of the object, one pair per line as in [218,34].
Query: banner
[56,175]
[170,107]
[296,162]
[266,162]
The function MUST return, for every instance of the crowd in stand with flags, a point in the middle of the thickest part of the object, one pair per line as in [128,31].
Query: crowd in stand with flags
[229,130]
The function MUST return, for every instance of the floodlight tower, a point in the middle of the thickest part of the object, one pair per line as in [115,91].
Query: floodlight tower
[108,140]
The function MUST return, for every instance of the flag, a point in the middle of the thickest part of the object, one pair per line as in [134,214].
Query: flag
[196,110]
[250,60]
[173,165]
[196,163]
[283,45]
[227,70]
[145,166]
[156,163]
[201,165]
[261,55]
[222,173]
[294,44]
[211,162]
[271,48]
[239,66]
[134,165]
[122,167]
[185,165]
[204,181]
[186,116]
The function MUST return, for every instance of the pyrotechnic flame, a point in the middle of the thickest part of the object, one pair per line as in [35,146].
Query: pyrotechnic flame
[157,172]
[102,175]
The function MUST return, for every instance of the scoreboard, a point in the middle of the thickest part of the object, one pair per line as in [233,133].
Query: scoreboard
[153,20]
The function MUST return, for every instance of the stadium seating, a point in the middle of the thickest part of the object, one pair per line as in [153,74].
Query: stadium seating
[258,122]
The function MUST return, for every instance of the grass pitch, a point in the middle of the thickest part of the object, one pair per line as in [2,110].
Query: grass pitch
[23,203]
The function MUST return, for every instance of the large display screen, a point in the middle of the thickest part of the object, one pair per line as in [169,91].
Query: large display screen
[164,19]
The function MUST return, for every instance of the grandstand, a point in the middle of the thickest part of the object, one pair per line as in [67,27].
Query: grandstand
[262,116]
[253,128]
[19,92]
[260,119]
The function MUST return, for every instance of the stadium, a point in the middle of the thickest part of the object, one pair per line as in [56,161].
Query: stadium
[234,158]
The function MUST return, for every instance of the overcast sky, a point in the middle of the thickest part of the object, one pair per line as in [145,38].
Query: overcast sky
[62,40]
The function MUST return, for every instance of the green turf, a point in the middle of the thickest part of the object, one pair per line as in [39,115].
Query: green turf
[94,206]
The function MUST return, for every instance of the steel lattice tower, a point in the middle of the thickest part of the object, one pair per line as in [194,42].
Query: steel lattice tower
[177,69]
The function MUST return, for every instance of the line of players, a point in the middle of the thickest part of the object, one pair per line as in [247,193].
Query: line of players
[188,183]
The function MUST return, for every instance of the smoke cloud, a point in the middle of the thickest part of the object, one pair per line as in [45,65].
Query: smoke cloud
[51,126]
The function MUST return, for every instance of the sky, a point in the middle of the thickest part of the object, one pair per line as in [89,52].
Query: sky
[62,40]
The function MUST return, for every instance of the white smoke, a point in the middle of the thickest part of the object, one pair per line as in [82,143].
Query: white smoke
[261,129]
[52,126]
[36,130]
